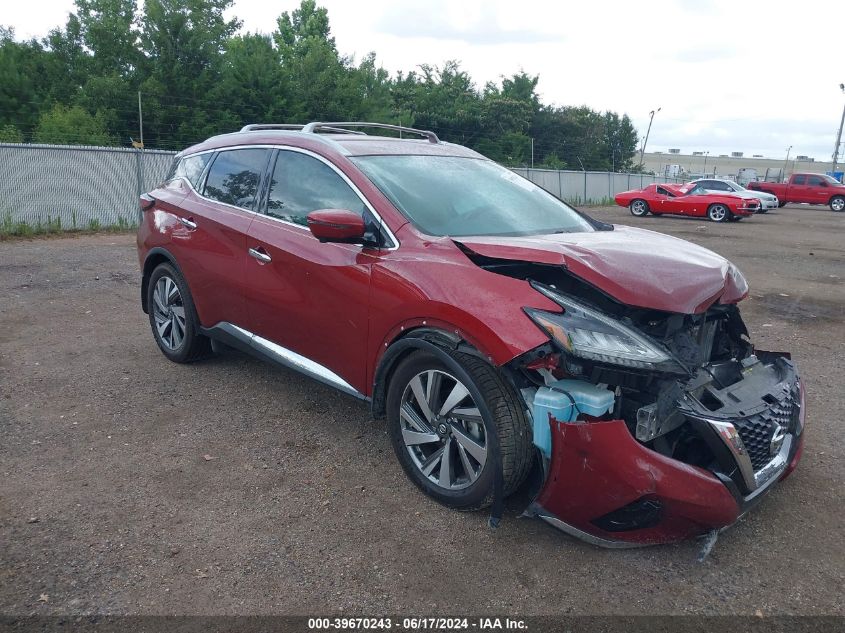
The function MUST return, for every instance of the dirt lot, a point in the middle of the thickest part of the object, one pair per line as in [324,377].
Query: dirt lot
[134,485]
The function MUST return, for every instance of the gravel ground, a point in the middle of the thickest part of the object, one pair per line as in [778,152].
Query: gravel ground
[131,485]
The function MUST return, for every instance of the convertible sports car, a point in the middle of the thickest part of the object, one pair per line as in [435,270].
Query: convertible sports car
[506,337]
[695,201]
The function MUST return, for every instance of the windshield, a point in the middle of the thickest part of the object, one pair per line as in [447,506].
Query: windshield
[734,185]
[831,180]
[449,195]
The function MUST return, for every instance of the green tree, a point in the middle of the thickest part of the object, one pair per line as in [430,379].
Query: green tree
[183,43]
[251,87]
[71,126]
[109,31]
[10,134]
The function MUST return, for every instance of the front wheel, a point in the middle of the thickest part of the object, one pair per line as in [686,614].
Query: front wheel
[718,213]
[443,417]
[639,208]
[837,203]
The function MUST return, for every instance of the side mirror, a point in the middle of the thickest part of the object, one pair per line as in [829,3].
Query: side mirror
[337,225]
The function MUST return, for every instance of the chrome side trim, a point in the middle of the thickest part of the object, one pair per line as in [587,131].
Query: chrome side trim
[589,538]
[283,356]
[394,240]
[730,437]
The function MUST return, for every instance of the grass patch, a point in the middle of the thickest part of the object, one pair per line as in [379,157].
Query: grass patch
[12,229]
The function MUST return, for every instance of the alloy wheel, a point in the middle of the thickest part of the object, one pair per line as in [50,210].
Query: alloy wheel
[638,207]
[443,430]
[169,313]
[838,204]
[718,213]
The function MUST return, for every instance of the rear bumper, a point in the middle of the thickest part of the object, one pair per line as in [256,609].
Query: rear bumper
[605,487]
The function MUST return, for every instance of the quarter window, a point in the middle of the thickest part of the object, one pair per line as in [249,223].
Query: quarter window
[302,184]
[190,168]
[234,176]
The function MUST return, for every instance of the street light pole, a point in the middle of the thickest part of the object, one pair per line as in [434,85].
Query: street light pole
[645,142]
[839,135]
[788,149]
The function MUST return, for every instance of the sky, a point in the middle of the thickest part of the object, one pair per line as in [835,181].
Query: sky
[751,76]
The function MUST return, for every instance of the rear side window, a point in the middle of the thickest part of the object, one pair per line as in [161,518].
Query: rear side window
[234,176]
[799,180]
[302,184]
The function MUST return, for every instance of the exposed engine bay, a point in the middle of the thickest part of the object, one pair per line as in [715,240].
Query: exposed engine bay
[710,373]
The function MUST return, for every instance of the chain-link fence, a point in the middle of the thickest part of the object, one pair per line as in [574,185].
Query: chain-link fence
[588,187]
[65,187]
[76,187]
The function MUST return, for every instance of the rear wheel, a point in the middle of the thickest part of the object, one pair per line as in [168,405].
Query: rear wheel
[639,208]
[837,203]
[442,418]
[719,213]
[781,205]
[173,317]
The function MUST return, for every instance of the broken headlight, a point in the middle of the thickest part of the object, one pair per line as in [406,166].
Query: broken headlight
[589,334]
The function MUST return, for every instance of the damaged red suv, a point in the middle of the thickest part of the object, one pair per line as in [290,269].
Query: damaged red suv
[505,336]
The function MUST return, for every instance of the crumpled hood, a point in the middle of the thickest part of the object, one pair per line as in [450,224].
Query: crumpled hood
[634,266]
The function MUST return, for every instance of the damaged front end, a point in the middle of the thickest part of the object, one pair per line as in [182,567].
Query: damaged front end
[661,425]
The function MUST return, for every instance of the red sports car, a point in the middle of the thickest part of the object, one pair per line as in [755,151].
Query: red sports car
[505,336]
[693,201]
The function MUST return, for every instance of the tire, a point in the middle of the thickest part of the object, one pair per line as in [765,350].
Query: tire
[639,208]
[719,213]
[781,205]
[837,204]
[168,297]
[467,481]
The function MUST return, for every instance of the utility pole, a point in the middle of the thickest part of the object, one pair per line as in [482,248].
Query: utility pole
[140,120]
[532,151]
[839,135]
[788,149]
[645,142]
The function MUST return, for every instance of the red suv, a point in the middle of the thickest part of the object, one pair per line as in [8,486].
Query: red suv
[508,338]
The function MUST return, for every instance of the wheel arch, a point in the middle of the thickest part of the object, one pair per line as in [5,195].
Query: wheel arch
[155,258]
[434,339]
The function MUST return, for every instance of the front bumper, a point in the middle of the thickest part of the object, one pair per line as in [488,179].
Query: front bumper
[605,487]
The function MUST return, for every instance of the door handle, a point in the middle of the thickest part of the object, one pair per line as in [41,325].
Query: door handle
[260,255]
[189,223]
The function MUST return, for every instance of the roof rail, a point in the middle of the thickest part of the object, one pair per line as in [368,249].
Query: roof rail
[253,127]
[271,126]
[339,127]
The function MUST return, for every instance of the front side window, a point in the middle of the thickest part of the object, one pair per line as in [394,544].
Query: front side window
[814,181]
[234,176]
[456,196]
[302,184]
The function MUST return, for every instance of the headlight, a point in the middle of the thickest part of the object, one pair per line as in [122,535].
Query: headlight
[589,334]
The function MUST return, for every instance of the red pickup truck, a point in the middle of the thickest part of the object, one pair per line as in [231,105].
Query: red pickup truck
[808,188]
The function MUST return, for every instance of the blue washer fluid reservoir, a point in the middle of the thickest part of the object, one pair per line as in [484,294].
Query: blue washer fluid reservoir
[564,400]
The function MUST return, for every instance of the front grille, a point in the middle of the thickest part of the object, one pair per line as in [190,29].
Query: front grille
[757,431]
